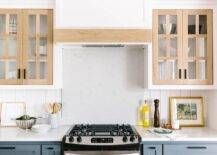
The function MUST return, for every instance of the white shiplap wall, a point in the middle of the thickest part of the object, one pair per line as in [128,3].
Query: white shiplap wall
[34,99]
[211,108]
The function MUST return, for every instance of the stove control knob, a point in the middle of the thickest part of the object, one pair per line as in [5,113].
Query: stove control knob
[132,138]
[125,139]
[79,139]
[71,139]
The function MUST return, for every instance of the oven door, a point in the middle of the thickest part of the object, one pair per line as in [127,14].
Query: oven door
[82,153]
[101,153]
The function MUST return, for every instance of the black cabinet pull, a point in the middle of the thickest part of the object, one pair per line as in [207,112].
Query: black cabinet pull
[196,147]
[18,74]
[24,73]
[152,148]
[180,73]
[185,73]
[50,148]
[7,148]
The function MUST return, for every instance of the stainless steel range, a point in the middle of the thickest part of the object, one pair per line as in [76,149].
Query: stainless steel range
[98,139]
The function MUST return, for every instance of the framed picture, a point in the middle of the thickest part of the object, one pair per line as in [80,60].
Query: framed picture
[188,110]
[10,111]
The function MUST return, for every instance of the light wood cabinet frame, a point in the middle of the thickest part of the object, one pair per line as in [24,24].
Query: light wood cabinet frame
[182,34]
[155,38]
[49,59]
[18,56]
[22,46]
[208,36]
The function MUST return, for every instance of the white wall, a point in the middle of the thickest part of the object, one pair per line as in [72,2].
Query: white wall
[34,99]
[27,3]
[99,13]
[212,109]
[105,85]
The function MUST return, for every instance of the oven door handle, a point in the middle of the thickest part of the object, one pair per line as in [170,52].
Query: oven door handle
[101,152]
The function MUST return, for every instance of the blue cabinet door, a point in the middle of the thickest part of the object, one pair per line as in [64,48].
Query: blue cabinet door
[7,149]
[152,149]
[191,149]
[28,150]
[51,150]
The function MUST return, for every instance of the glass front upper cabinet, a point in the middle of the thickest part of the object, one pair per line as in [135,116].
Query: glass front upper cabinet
[197,46]
[26,47]
[38,47]
[10,47]
[167,38]
[182,47]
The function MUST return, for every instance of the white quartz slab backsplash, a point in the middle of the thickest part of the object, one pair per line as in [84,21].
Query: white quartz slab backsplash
[105,85]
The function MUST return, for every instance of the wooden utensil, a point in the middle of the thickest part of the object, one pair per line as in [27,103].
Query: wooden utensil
[53,108]
[57,107]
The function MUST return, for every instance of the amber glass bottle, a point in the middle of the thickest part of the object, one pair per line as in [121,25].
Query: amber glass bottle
[156,114]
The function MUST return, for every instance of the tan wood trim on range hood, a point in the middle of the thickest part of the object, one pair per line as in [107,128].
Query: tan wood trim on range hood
[111,35]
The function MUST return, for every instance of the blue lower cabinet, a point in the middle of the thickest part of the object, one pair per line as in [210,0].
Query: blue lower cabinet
[51,150]
[7,149]
[152,149]
[28,150]
[191,149]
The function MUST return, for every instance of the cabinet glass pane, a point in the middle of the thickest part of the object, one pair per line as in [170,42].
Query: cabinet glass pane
[12,70]
[13,24]
[32,25]
[173,68]
[202,69]
[43,70]
[202,47]
[12,45]
[191,24]
[43,47]
[162,24]
[1,46]
[162,70]
[173,24]
[191,47]
[2,23]
[192,70]
[173,47]
[202,24]
[32,47]
[162,47]
[2,70]
[31,70]
[43,24]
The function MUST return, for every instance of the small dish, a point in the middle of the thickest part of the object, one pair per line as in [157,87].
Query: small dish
[162,131]
[41,128]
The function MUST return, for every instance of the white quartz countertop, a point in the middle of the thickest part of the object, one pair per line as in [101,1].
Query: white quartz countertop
[185,134]
[8,134]
[17,134]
